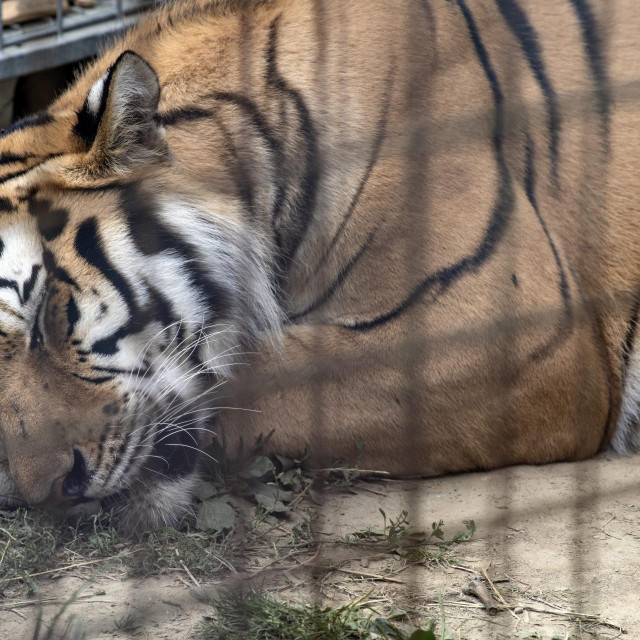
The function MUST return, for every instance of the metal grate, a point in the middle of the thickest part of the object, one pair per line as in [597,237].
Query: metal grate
[50,42]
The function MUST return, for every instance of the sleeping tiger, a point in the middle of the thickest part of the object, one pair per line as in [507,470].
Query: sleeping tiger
[407,230]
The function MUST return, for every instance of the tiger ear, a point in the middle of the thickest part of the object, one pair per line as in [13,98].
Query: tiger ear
[117,122]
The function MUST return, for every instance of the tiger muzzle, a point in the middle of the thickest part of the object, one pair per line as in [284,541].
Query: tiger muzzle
[41,426]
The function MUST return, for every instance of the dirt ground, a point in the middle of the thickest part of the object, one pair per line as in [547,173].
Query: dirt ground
[560,538]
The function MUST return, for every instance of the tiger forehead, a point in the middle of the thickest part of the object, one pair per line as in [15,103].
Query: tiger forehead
[53,206]
[29,142]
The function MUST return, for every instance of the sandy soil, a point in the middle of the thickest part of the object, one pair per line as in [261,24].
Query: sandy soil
[564,537]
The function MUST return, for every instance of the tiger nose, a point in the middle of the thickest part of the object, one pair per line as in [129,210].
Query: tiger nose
[69,488]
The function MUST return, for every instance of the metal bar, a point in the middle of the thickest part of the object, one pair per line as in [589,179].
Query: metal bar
[44,32]
[75,45]
[59,17]
[119,9]
[77,20]
[1,29]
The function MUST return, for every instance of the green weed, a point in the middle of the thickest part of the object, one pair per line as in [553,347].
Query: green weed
[259,617]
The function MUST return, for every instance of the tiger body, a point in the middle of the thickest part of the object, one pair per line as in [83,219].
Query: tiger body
[409,225]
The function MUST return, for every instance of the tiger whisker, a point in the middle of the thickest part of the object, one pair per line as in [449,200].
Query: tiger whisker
[186,446]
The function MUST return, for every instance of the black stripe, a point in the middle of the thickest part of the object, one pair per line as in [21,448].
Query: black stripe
[257,120]
[239,172]
[37,339]
[129,464]
[17,174]
[116,461]
[73,315]
[89,247]
[112,186]
[36,120]
[151,237]
[185,114]
[101,441]
[6,206]
[51,222]
[55,272]
[255,116]
[381,132]
[337,283]
[274,145]
[93,380]
[519,24]
[438,283]
[30,283]
[22,172]
[115,371]
[564,331]
[1,247]
[306,202]
[10,284]
[162,306]
[12,158]
[597,62]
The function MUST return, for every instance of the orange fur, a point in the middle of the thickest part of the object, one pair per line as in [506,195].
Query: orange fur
[499,292]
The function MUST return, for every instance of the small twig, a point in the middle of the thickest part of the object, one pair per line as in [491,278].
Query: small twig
[461,567]
[184,566]
[308,560]
[6,546]
[278,559]
[451,603]
[5,531]
[548,604]
[609,534]
[224,562]
[301,495]
[574,615]
[371,576]
[498,594]
[10,606]
[378,493]
[58,569]
[370,472]
[18,613]
[184,582]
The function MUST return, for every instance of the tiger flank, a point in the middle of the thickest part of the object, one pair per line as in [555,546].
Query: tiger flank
[412,225]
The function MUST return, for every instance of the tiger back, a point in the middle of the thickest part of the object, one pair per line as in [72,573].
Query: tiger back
[404,231]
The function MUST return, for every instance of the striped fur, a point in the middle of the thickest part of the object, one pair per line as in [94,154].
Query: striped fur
[414,221]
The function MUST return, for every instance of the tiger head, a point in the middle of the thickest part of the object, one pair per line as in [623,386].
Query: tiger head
[128,292]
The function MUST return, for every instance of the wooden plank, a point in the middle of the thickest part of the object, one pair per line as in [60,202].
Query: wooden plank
[14,11]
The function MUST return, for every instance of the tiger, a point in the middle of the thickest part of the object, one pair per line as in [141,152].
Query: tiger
[405,233]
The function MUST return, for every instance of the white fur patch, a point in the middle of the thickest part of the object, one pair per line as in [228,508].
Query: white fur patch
[626,437]
[160,505]
[22,251]
[9,494]
[94,99]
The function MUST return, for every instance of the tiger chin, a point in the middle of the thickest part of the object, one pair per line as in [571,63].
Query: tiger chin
[378,230]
